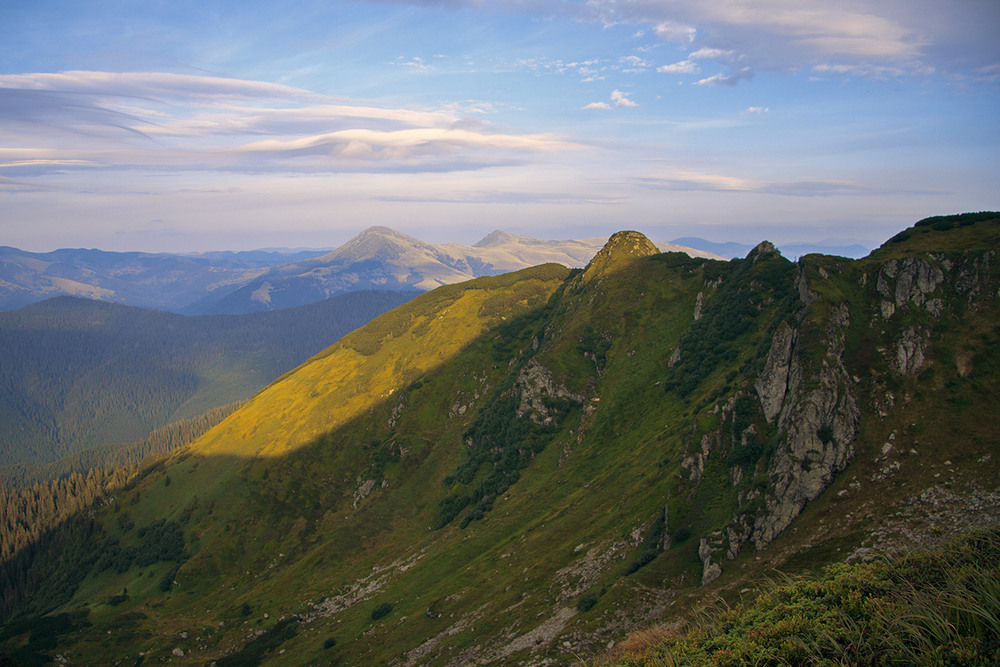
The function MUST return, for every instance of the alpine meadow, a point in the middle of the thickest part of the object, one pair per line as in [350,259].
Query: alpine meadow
[658,459]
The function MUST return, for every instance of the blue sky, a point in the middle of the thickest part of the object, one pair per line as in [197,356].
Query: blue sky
[185,126]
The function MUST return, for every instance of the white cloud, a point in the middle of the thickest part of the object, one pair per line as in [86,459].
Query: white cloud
[704,54]
[634,64]
[698,181]
[682,67]
[621,100]
[789,34]
[597,105]
[757,110]
[670,31]
[744,74]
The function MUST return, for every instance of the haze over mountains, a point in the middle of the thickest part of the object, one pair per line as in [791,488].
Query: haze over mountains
[146,280]
[242,282]
[79,373]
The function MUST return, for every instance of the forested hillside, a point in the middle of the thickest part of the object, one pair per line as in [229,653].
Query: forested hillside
[525,469]
[112,456]
[78,373]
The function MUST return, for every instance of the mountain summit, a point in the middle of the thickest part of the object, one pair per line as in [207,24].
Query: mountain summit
[620,250]
[378,242]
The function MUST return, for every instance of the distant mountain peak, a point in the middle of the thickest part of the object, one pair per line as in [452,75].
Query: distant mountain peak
[381,230]
[499,237]
[377,242]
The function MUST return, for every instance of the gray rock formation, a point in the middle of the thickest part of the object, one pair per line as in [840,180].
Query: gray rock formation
[819,417]
[536,384]
[708,546]
[912,280]
[772,385]
[910,350]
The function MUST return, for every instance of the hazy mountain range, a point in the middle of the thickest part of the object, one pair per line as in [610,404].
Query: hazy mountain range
[146,280]
[526,468]
[730,250]
[243,282]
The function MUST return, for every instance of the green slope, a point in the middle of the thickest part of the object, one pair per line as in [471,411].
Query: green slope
[527,467]
[79,374]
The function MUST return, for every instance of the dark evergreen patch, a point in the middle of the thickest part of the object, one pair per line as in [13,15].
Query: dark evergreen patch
[259,648]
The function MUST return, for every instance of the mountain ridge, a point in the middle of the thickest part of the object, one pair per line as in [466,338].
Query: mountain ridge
[241,282]
[525,467]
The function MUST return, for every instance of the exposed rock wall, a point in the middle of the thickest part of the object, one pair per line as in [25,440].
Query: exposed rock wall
[819,416]
[536,385]
[810,400]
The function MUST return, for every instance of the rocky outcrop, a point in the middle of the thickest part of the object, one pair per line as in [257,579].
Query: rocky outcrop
[910,348]
[912,280]
[819,418]
[710,545]
[772,385]
[538,389]
[617,254]
[698,305]
[977,276]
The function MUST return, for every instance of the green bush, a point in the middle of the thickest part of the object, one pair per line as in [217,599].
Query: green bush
[586,602]
[381,611]
[937,608]
[254,652]
[681,535]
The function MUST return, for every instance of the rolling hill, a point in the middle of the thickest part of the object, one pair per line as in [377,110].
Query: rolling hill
[522,469]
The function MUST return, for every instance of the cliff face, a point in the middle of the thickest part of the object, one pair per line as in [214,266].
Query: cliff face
[818,417]
[807,393]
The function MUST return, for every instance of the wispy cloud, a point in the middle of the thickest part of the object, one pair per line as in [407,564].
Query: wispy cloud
[744,74]
[803,33]
[150,85]
[503,197]
[699,181]
[415,63]
[83,120]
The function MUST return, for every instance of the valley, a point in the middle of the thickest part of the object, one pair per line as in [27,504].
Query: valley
[81,374]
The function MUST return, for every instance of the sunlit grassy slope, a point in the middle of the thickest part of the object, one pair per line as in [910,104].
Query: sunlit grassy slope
[482,474]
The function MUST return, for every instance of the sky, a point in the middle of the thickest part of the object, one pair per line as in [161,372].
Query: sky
[192,126]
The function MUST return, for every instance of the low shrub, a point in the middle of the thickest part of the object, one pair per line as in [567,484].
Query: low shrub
[381,611]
